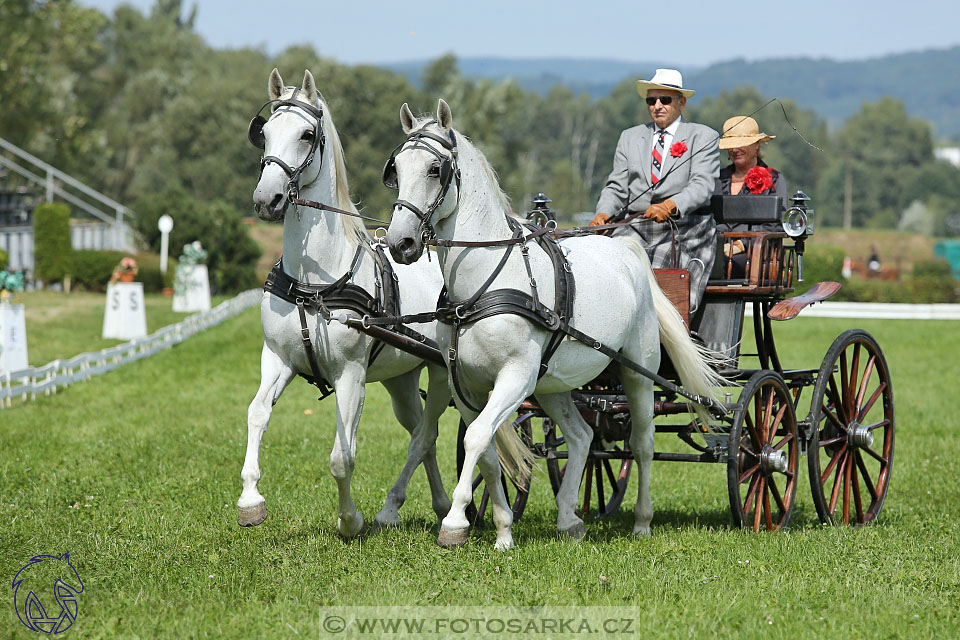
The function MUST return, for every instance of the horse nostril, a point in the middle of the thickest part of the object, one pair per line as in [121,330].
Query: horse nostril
[275,203]
[405,246]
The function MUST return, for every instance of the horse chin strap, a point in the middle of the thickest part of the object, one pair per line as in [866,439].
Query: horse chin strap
[449,176]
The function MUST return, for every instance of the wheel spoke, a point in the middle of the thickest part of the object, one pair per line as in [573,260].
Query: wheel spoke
[833,392]
[836,482]
[827,443]
[768,416]
[856,493]
[749,472]
[833,461]
[751,493]
[847,471]
[610,477]
[876,425]
[777,421]
[752,431]
[876,455]
[866,475]
[864,382]
[777,497]
[840,425]
[852,381]
[876,394]
[758,512]
[844,386]
[788,437]
[767,511]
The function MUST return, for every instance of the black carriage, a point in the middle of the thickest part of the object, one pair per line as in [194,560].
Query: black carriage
[845,427]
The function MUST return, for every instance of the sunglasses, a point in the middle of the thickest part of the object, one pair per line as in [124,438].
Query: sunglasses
[664,100]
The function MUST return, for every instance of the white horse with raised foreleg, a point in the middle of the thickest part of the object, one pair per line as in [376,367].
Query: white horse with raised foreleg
[302,151]
[617,303]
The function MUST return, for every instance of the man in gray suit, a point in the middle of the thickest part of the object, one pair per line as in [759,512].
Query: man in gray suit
[667,169]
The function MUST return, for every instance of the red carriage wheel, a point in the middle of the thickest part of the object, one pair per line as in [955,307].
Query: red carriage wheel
[851,444]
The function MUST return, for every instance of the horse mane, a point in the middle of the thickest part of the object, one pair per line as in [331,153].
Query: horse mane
[463,142]
[340,170]
[351,226]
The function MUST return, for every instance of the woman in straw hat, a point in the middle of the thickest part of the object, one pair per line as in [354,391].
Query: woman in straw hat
[747,174]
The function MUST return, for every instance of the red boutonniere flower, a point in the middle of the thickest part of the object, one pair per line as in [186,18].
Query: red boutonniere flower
[677,149]
[758,180]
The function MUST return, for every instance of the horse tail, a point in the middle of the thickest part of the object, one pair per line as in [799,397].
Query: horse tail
[694,363]
[516,458]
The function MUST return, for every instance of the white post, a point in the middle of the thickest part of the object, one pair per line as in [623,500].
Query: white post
[165,224]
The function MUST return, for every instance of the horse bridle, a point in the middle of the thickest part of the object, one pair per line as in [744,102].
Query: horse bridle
[449,171]
[257,139]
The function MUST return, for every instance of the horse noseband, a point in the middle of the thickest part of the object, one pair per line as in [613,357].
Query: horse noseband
[449,172]
[256,137]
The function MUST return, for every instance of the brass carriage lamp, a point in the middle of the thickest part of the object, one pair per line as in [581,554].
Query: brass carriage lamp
[541,213]
[797,222]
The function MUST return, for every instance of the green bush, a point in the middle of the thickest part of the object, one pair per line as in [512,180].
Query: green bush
[4,259]
[821,264]
[53,253]
[149,274]
[92,269]
[232,253]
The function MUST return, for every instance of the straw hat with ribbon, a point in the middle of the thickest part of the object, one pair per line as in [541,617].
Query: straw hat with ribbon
[741,131]
[669,79]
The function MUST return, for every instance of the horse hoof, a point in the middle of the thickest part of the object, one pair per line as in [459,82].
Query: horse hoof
[575,533]
[252,516]
[379,526]
[641,532]
[452,539]
[348,530]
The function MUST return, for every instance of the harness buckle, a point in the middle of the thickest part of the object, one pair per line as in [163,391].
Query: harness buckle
[363,321]
[457,312]
[451,354]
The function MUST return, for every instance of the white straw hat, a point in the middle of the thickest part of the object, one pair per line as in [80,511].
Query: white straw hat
[669,79]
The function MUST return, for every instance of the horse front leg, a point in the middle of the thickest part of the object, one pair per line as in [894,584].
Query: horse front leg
[509,391]
[421,422]
[349,387]
[275,375]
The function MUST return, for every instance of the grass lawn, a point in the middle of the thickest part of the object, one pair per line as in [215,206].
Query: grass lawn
[136,474]
[63,325]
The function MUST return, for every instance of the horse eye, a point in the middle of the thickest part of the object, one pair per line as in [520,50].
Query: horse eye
[434,171]
[307,135]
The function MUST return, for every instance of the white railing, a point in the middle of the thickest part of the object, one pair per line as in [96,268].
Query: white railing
[33,381]
[879,311]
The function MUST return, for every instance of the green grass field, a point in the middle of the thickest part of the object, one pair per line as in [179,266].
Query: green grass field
[136,474]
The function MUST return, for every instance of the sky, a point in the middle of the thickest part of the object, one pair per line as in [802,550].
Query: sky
[694,32]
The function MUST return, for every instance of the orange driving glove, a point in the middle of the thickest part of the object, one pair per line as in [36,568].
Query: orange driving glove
[599,219]
[661,211]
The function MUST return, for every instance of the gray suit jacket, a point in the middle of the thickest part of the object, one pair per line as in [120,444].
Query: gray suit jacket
[688,240]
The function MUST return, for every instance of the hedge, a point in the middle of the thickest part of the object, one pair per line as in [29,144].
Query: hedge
[92,270]
[4,259]
[53,252]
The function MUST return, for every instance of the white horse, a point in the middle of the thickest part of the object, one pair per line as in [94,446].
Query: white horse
[617,302]
[302,149]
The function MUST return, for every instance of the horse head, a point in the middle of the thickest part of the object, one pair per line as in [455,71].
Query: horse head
[424,170]
[291,137]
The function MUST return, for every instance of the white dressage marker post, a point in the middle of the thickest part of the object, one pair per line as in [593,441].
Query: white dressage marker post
[165,225]
[13,337]
[125,317]
[191,287]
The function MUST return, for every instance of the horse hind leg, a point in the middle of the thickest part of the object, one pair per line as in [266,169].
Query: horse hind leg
[639,391]
[421,423]
[275,375]
[578,435]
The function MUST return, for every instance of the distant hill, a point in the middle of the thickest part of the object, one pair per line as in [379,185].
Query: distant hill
[927,82]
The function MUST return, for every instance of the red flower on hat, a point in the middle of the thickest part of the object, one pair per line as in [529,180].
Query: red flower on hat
[677,149]
[758,180]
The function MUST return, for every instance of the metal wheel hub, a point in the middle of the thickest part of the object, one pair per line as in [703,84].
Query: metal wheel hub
[772,460]
[859,436]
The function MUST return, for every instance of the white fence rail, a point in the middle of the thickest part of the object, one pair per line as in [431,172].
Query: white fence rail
[879,311]
[33,381]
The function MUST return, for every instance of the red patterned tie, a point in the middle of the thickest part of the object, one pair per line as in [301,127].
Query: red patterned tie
[657,158]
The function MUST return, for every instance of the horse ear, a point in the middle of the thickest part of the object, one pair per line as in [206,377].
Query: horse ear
[444,115]
[274,85]
[407,121]
[309,86]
